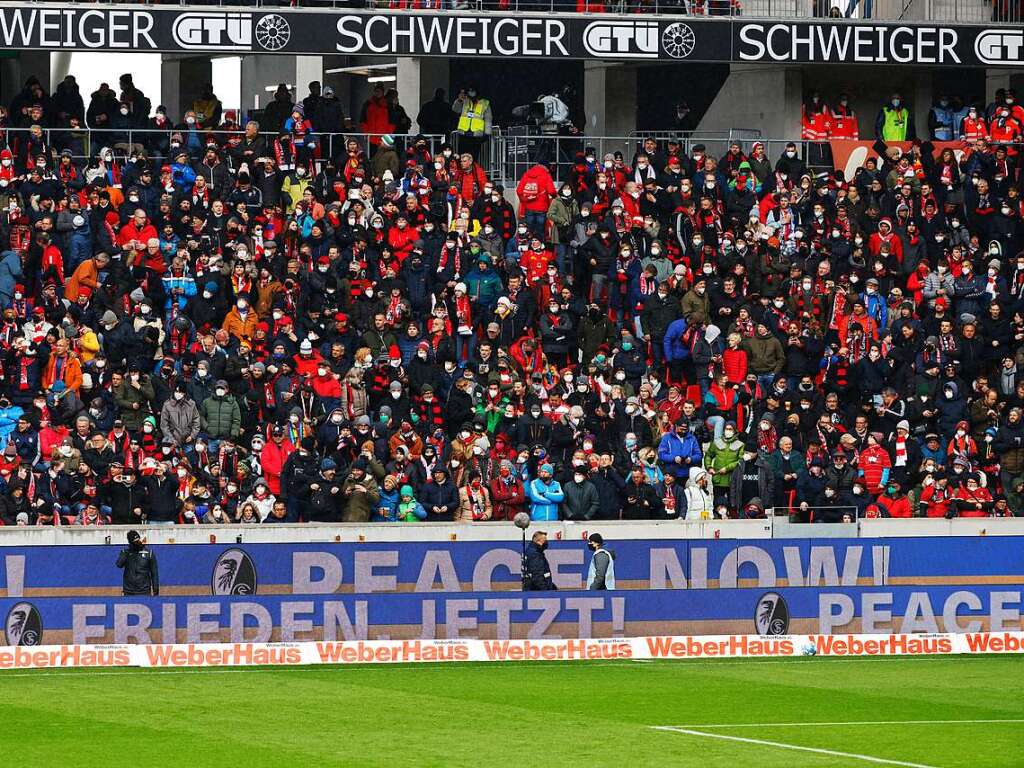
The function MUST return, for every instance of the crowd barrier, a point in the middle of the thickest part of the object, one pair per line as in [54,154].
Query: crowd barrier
[86,143]
[176,656]
[772,527]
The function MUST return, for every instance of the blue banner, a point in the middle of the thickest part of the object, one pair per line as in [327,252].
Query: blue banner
[504,615]
[327,568]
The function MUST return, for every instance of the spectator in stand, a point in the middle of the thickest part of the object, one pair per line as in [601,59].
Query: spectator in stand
[225,326]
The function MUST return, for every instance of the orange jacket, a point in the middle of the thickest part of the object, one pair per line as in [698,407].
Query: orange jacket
[71,375]
[241,329]
[87,275]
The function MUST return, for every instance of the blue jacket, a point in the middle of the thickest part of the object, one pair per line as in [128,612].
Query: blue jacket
[687,448]
[10,274]
[389,503]
[876,306]
[545,498]
[9,421]
[675,349]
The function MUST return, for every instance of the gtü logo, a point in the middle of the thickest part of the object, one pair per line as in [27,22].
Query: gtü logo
[623,39]
[999,46]
[226,31]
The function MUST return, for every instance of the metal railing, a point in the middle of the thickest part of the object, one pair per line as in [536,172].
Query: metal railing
[509,153]
[86,143]
[965,11]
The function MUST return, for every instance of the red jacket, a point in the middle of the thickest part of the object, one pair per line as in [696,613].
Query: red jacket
[936,500]
[131,232]
[873,462]
[376,119]
[815,126]
[535,190]
[844,124]
[471,183]
[734,363]
[272,459]
[973,504]
[402,241]
[895,506]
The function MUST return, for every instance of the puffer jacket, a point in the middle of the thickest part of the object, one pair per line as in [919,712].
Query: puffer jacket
[544,498]
[700,502]
[723,457]
[221,417]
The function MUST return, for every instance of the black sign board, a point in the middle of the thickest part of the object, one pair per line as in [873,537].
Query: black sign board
[457,34]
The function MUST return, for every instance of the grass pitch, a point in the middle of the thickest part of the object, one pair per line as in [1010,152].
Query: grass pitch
[968,712]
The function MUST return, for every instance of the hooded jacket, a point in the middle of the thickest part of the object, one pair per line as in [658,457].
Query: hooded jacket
[699,501]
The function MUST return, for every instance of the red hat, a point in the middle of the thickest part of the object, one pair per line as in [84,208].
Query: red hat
[393,352]
[773,242]
[112,218]
[410,163]
[19,288]
[423,346]
[941,303]
[323,260]
[85,291]
[341,317]
[286,320]
[263,327]
[38,311]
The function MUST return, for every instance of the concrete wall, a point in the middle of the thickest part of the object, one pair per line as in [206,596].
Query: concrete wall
[767,98]
[609,98]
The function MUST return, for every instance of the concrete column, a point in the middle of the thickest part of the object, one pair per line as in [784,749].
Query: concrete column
[994,80]
[307,69]
[417,79]
[609,98]
[755,96]
[60,67]
[10,79]
[922,102]
[181,81]
[170,77]
[259,72]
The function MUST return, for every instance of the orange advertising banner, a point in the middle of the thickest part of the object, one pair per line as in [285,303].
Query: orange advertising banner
[850,154]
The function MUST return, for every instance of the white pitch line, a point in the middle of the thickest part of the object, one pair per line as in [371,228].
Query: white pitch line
[849,722]
[794,747]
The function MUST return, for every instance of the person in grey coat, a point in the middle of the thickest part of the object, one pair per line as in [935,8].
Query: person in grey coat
[581,498]
[179,418]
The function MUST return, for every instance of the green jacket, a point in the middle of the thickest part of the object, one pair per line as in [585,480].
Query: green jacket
[126,396]
[764,354]
[561,216]
[696,308]
[221,417]
[723,457]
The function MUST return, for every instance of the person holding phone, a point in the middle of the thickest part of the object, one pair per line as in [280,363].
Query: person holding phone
[138,563]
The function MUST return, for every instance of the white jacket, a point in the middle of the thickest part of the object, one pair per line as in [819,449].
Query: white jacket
[700,502]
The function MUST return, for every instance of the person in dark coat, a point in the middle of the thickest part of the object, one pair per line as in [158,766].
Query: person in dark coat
[141,576]
[536,571]
[440,498]
[161,497]
[435,116]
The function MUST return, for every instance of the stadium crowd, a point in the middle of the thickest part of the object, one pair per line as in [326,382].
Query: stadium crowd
[229,327]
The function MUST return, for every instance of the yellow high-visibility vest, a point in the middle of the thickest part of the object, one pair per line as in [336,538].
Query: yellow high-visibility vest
[472,118]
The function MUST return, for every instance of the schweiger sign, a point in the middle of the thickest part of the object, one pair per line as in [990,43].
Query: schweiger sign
[104,28]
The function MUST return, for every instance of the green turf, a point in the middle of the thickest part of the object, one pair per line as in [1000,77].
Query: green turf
[526,714]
